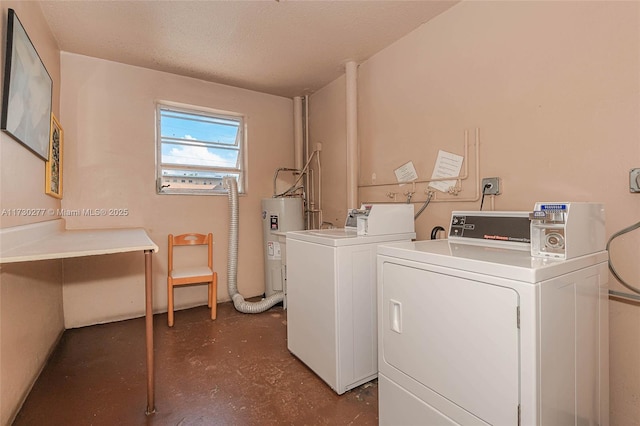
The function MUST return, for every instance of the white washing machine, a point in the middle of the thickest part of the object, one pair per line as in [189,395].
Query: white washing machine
[331,301]
[474,330]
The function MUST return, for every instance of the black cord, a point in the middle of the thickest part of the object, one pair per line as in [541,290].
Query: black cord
[484,190]
[434,232]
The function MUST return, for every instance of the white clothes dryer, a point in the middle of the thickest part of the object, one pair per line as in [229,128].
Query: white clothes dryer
[476,331]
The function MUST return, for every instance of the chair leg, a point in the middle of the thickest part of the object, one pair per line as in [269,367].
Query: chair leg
[214,296]
[169,304]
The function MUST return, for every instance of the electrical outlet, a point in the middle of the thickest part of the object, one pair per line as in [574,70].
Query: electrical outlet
[634,180]
[490,186]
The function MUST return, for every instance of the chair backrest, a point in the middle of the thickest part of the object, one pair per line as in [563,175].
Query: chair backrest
[191,239]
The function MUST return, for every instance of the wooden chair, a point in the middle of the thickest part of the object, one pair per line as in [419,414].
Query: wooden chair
[192,275]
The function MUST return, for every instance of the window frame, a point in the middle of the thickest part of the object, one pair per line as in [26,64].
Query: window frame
[241,143]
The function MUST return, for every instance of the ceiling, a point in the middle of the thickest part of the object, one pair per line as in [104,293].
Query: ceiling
[286,48]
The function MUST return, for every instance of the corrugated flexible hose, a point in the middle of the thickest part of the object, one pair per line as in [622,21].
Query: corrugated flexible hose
[240,304]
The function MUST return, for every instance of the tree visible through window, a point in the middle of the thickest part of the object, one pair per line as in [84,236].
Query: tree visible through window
[197,149]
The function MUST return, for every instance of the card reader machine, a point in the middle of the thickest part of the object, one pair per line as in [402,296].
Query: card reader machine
[567,230]
[381,219]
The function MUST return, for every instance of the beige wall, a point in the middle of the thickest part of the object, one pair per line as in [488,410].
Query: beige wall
[31,318]
[22,181]
[553,88]
[32,322]
[109,111]
[327,124]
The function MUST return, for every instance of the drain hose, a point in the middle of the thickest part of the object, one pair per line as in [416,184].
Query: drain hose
[232,264]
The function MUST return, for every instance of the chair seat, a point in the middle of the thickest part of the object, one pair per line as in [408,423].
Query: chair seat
[195,271]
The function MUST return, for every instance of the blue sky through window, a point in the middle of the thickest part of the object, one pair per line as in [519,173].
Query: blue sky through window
[193,139]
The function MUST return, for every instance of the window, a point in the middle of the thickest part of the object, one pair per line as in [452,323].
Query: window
[196,149]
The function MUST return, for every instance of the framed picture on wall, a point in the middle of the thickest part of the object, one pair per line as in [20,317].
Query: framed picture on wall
[27,91]
[53,173]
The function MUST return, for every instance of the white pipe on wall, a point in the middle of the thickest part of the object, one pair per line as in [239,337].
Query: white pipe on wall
[308,155]
[297,133]
[352,134]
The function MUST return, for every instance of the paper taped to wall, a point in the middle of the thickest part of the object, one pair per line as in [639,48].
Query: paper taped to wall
[447,165]
[406,173]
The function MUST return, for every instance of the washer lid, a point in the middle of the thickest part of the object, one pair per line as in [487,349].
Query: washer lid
[345,237]
[494,261]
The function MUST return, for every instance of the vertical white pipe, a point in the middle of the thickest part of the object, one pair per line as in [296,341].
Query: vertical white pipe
[306,157]
[319,187]
[307,152]
[352,134]
[297,132]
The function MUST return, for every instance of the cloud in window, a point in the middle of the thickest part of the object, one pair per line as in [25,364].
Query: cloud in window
[197,156]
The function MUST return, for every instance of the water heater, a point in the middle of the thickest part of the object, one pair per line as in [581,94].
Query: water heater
[279,215]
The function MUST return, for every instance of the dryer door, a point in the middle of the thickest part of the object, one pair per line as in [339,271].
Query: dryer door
[455,336]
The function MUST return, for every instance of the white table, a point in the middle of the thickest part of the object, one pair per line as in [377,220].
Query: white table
[50,240]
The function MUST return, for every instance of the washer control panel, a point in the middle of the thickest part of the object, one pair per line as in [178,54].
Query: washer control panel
[489,227]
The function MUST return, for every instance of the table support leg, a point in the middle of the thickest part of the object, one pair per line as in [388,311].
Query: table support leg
[148,287]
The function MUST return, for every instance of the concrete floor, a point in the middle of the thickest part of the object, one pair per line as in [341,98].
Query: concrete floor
[235,370]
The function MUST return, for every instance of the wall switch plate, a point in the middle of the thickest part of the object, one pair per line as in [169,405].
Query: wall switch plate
[490,186]
[634,180]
